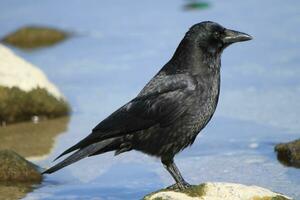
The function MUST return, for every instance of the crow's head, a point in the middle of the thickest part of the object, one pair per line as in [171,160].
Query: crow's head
[213,38]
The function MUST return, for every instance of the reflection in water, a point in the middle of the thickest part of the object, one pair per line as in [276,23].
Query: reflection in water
[13,191]
[33,141]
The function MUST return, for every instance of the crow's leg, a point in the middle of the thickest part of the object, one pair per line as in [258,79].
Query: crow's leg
[173,170]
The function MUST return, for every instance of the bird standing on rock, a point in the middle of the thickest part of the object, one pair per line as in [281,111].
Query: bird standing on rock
[170,111]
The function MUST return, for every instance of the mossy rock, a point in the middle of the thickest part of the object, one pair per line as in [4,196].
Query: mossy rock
[193,191]
[17,105]
[289,153]
[33,37]
[217,191]
[195,5]
[15,168]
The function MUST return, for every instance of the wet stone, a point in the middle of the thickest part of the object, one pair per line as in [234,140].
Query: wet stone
[217,191]
[289,153]
[16,169]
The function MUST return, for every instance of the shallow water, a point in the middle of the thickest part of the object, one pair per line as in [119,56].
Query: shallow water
[25,137]
[119,45]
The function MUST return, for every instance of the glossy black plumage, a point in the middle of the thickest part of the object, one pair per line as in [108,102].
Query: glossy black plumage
[172,108]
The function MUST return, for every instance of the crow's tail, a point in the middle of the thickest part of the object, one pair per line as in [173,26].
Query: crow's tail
[80,154]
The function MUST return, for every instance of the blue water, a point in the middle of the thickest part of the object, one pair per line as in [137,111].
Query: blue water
[119,45]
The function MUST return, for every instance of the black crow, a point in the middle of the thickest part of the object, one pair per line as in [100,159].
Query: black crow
[170,111]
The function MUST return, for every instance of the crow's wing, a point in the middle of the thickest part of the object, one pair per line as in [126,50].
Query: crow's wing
[161,102]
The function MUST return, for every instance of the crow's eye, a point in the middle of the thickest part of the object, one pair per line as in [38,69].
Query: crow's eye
[216,34]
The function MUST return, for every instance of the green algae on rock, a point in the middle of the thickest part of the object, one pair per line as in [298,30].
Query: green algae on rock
[194,191]
[196,5]
[15,168]
[26,92]
[289,153]
[217,191]
[34,36]
[17,105]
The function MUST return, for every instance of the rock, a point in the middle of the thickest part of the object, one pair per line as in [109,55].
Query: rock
[17,176]
[17,72]
[289,153]
[196,5]
[33,37]
[218,191]
[25,91]
[15,168]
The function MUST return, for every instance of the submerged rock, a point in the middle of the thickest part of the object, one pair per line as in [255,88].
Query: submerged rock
[14,168]
[289,153]
[25,91]
[34,36]
[218,191]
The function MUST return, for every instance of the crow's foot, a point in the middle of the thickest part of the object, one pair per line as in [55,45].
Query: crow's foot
[179,186]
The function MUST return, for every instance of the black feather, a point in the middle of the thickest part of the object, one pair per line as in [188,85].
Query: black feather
[80,154]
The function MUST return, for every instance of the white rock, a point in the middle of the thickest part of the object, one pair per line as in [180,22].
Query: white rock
[221,191]
[15,71]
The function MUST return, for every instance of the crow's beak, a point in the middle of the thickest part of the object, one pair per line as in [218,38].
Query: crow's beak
[232,36]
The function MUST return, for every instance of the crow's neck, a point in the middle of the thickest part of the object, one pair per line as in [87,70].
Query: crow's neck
[189,58]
